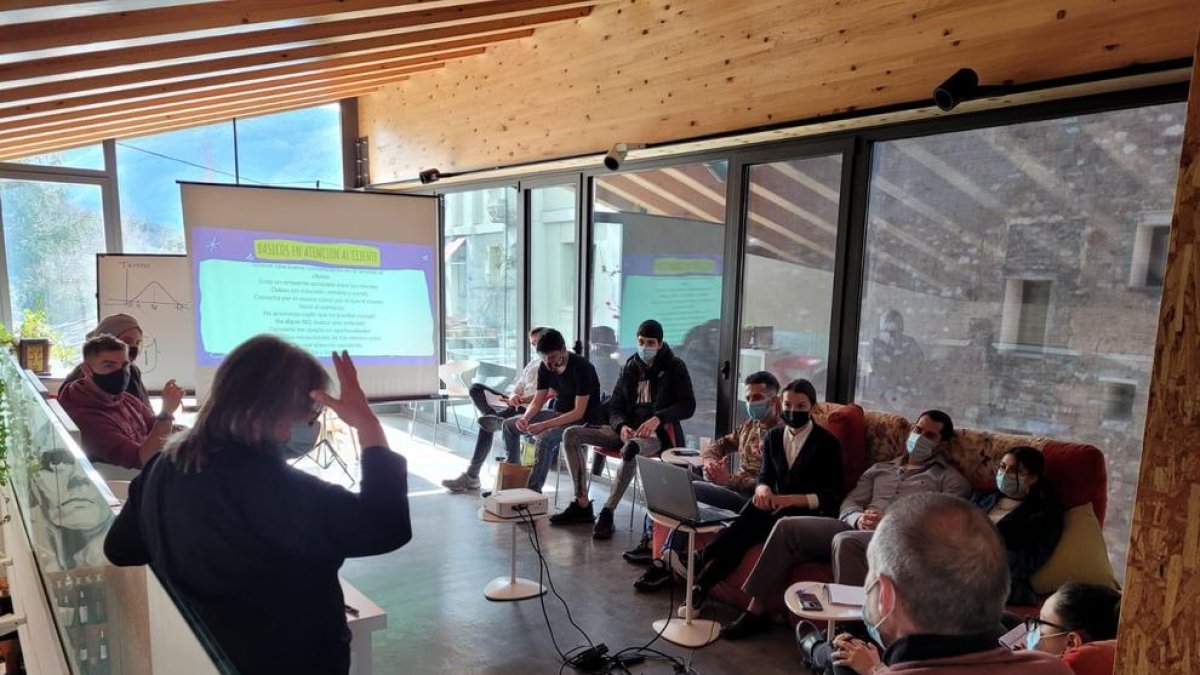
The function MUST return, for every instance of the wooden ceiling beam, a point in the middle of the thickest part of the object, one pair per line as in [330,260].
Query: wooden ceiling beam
[157,21]
[156,109]
[170,123]
[374,61]
[441,24]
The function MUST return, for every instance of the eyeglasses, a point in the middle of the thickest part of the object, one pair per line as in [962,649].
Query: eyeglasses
[1034,632]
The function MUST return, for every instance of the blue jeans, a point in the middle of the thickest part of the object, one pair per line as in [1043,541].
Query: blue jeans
[546,444]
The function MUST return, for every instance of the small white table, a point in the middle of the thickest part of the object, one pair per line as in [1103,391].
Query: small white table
[511,587]
[672,456]
[692,632]
[369,618]
[831,613]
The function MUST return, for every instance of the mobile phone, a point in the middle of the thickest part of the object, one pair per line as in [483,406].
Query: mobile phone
[1015,638]
[685,452]
[809,602]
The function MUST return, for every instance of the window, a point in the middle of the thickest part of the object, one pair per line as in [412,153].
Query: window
[787,287]
[148,171]
[1019,236]
[301,148]
[86,157]
[658,243]
[1025,314]
[553,265]
[52,233]
[481,278]
[1149,263]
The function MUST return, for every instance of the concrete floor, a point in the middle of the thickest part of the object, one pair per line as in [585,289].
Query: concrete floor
[432,589]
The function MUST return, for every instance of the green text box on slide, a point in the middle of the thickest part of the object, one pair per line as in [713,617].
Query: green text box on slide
[368,312]
[679,303]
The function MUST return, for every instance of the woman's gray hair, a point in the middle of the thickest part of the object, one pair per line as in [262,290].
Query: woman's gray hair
[263,381]
[947,562]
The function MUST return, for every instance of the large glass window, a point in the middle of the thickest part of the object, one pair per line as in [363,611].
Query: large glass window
[658,253]
[1013,278]
[553,259]
[787,291]
[148,171]
[86,157]
[301,148]
[52,233]
[481,278]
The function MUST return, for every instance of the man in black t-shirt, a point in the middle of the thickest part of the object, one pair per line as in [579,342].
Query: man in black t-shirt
[577,401]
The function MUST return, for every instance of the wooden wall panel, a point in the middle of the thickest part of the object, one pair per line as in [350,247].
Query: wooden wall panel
[1160,615]
[642,71]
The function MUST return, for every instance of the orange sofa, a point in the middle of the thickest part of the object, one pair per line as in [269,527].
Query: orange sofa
[1077,472]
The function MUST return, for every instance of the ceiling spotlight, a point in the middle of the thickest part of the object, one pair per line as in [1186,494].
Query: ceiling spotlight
[616,154]
[963,86]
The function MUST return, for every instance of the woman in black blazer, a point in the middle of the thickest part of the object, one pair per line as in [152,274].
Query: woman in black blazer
[810,484]
[1028,517]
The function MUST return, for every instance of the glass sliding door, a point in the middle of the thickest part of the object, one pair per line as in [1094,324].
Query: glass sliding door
[658,247]
[480,253]
[787,279]
[554,258]
[1013,277]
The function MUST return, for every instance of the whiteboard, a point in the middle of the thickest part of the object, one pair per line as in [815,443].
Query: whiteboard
[156,290]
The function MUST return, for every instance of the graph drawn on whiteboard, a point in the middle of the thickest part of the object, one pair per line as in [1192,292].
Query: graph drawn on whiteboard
[157,291]
[152,296]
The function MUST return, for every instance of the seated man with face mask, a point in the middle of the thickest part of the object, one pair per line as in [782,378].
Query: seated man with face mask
[126,329]
[936,584]
[843,540]
[117,428]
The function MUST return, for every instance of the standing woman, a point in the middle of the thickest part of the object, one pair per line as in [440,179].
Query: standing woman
[248,542]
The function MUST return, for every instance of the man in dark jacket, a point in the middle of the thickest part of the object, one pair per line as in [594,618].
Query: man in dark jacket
[801,475]
[651,397]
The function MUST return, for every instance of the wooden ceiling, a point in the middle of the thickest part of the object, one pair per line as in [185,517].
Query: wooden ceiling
[74,73]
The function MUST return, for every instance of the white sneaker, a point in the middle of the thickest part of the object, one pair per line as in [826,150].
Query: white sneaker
[462,483]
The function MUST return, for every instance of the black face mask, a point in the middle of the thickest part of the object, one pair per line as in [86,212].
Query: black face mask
[133,352]
[112,383]
[795,418]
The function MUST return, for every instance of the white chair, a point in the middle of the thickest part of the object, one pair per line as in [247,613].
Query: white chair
[457,377]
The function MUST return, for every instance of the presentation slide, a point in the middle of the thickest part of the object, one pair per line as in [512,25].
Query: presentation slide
[680,291]
[374,299]
[325,270]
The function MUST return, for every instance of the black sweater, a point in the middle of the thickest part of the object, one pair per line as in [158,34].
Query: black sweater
[817,470]
[253,546]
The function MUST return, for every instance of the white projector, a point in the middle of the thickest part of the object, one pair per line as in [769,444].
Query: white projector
[516,503]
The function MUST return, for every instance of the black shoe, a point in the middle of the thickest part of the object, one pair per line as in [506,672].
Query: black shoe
[656,578]
[640,554]
[604,525]
[574,514]
[808,638]
[746,625]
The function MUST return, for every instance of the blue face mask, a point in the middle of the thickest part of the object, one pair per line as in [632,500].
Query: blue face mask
[872,626]
[302,440]
[647,354]
[1011,486]
[920,449]
[758,410]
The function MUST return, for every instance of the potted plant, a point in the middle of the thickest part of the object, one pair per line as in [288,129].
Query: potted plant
[33,340]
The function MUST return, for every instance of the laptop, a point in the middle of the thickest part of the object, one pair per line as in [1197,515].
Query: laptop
[669,492]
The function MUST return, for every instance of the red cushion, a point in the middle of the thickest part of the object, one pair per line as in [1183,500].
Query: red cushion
[1093,658]
[848,425]
[1078,474]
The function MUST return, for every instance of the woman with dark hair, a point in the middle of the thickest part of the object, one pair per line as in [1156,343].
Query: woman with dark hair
[249,543]
[1027,515]
[1079,623]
